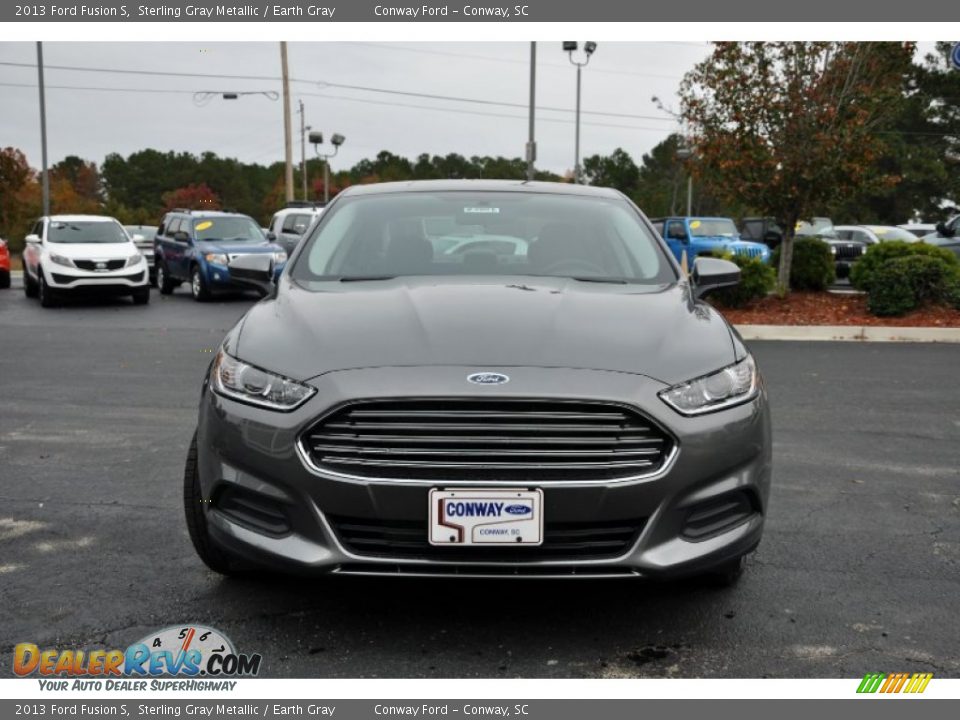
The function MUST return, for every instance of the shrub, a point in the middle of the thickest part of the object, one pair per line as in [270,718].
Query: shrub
[756,280]
[813,265]
[864,273]
[905,283]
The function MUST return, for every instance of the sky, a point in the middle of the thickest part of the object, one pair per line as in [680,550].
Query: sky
[162,111]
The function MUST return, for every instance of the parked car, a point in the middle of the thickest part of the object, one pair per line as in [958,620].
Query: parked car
[947,235]
[289,225]
[874,234]
[196,246]
[575,411]
[142,236]
[695,236]
[4,264]
[74,254]
[844,251]
[919,229]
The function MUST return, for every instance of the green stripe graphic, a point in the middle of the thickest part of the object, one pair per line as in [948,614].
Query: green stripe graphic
[871,682]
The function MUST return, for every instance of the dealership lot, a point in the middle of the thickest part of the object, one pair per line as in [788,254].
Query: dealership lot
[857,572]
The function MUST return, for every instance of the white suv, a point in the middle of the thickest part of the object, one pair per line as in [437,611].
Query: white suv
[82,253]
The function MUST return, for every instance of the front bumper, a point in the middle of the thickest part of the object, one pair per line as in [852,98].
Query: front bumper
[62,278]
[254,451]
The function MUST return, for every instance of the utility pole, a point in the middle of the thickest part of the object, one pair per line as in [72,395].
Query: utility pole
[43,131]
[287,142]
[531,143]
[303,150]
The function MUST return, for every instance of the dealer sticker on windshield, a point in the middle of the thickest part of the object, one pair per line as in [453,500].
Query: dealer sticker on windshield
[486,517]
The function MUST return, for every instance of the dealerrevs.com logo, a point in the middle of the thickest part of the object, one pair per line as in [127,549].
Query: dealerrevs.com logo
[179,651]
[888,683]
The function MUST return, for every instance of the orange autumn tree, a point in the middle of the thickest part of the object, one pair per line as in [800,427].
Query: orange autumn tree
[788,127]
[191,197]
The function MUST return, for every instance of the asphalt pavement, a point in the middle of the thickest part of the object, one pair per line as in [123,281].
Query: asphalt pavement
[857,572]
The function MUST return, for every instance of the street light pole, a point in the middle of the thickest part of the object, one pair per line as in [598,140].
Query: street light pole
[531,142]
[303,150]
[316,139]
[589,48]
[287,143]
[43,131]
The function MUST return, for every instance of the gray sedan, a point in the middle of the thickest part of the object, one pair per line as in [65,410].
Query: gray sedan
[572,411]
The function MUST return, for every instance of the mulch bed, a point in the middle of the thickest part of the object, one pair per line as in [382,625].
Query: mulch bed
[824,308]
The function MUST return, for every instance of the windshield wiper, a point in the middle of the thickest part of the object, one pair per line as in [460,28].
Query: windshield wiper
[363,278]
[611,280]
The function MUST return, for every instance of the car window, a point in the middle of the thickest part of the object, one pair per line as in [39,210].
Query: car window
[296,223]
[232,228]
[173,227]
[712,227]
[564,236]
[675,229]
[86,231]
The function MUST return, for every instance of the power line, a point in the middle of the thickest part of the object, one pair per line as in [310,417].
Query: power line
[361,88]
[344,98]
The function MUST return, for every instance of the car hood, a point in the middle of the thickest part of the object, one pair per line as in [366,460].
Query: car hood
[484,325]
[248,247]
[98,251]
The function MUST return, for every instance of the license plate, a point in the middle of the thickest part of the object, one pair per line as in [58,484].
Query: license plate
[486,517]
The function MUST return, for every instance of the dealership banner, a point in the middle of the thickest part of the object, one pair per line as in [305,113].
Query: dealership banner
[433,709]
[499,11]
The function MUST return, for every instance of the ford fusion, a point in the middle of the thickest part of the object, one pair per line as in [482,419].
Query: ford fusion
[552,399]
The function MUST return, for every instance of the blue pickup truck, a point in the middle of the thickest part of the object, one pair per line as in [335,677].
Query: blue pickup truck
[705,236]
[196,246]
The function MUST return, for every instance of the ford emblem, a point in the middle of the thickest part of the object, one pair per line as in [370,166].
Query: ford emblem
[519,509]
[488,378]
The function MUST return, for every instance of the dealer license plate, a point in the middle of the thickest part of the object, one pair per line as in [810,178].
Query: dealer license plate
[486,517]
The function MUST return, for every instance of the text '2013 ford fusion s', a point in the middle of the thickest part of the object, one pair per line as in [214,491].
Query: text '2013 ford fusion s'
[481,378]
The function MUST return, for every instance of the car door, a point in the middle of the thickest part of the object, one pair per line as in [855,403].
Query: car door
[185,247]
[677,238]
[31,249]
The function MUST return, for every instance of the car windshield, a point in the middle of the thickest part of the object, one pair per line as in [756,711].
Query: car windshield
[85,231]
[238,228]
[716,227]
[483,233]
[145,231]
[893,233]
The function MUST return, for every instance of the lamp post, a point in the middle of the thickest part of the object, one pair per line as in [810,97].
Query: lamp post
[684,153]
[316,139]
[570,47]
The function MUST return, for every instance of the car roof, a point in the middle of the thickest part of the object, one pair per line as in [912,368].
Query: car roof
[519,186]
[84,218]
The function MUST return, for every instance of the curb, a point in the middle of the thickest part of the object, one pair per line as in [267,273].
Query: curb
[849,333]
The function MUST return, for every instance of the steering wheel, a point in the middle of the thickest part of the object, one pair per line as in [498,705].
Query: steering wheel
[573,264]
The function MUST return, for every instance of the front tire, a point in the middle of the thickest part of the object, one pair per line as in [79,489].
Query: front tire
[4,279]
[164,281]
[29,286]
[142,296]
[193,507]
[198,288]
[47,297]
[728,574]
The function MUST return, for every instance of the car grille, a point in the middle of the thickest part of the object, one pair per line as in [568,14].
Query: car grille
[749,251]
[105,279]
[92,264]
[848,252]
[488,441]
[407,539]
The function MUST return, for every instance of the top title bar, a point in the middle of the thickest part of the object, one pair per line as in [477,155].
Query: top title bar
[476,11]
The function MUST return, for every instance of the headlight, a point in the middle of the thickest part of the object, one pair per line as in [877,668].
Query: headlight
[216,258]
[61,260]
[733,385]
[133,260]
[279,257]
[238,380]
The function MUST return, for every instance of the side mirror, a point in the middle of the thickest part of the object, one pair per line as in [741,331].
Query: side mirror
[32,239]
[181,236]
[271,236]
[713,273]
[255,271]
[943,230]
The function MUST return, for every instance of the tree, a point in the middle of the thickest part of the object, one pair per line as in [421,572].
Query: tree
[617,170]
[192,197]
[787,127]
[16,178]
